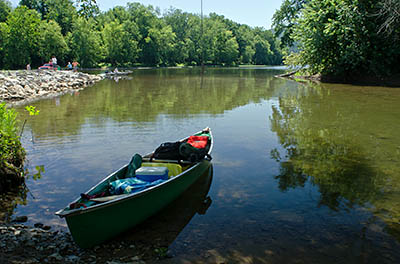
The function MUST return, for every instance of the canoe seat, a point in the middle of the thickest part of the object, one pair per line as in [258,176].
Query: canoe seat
[173,168]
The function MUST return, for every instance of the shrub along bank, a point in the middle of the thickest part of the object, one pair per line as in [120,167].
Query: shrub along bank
[12,154]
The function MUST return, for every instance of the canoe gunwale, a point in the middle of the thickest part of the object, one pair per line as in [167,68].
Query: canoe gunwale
[63,213]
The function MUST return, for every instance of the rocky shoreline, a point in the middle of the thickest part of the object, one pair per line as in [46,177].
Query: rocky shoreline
[22,244]
[23,85]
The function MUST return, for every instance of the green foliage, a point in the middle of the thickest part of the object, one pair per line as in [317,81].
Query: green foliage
[126,36]
[85,43]
[51,41]
[63,12]
[11,151]
[120,42]
[87,8]
[285,18]
[342,38]
[21,37]
[39,5]
[32,110]
[3,37]
[389,10]
[5,9]
[262,50]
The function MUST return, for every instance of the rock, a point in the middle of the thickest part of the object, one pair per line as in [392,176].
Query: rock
[20,85]
[72,259]
[20,219]
[24,235]
[38,225]
[55,256]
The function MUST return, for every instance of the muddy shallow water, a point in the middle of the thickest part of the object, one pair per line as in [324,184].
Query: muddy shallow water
[302,173]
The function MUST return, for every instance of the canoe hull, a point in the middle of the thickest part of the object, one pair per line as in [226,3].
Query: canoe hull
[91,227]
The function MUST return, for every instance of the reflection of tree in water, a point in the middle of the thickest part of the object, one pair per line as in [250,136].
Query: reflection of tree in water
[9,201]
[151,93]
[323,157]
[17,196]
[343,140]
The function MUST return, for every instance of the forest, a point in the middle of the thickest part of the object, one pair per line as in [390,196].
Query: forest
[341,40]
[126,36]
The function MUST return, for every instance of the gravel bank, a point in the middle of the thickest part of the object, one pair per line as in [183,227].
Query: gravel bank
[23,244]
[20,243]
[16,86]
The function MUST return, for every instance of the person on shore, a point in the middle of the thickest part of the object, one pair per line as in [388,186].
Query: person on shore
[69,66]
[28,67]
[54,61]
[116,70]
[75,65]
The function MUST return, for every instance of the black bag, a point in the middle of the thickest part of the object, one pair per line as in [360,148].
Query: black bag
[190,153]
[168,151]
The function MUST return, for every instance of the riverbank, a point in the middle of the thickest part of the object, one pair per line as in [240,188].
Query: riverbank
[363,80]
[39,244]
[20,243]
[24,86]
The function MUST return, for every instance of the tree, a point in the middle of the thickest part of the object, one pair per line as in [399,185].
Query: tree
[120,42]
[262,50]
[51,41]
[194,41]
[227,48]
[5,9]
[160,46]
[39,5]
[245,39]
[339,39]
[87,8]
[178,21]
[273,54]
[85,43]
[61,11]
[3,38]
[390,11]
[21,38]
[285,18]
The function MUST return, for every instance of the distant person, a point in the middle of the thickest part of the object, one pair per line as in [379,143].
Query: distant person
[28,67]
[116,70]
[54,61]
[69,66]
[75,65]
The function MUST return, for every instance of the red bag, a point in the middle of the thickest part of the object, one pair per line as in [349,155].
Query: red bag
[198,141]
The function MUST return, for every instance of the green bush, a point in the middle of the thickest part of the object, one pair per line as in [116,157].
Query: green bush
[12,153]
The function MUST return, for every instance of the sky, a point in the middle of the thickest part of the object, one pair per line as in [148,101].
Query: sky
[255,13]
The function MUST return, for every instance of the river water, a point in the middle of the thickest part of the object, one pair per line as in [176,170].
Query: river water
[302,172]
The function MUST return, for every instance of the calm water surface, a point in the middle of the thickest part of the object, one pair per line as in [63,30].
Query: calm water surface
[302,173]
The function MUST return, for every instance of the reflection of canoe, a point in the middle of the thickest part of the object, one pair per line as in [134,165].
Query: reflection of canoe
[162,229]
[119,73]
[95,222]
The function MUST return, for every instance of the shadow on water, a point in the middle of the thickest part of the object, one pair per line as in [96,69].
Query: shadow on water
[157,233]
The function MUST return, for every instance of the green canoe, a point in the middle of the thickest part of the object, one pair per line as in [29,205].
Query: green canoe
[96,220]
